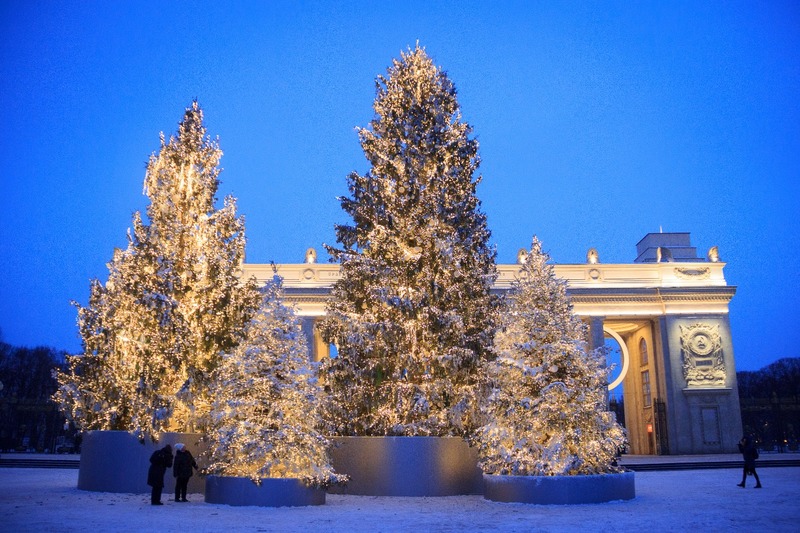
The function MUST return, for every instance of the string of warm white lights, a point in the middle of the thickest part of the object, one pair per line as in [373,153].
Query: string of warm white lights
[546,412]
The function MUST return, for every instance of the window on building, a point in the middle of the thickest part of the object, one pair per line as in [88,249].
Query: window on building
[643,356]
[646,398]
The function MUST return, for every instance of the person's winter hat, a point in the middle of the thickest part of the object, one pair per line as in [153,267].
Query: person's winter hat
[179,446]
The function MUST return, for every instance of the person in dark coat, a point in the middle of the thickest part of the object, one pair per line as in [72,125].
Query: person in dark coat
[159,462]
[182,469]
[750,454]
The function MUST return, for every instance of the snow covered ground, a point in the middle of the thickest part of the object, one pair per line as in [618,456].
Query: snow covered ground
[699,500]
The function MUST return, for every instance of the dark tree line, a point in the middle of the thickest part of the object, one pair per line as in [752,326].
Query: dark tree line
[770,403]
[29,419]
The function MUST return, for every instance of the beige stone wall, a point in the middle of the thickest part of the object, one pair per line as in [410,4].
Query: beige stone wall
[650,301]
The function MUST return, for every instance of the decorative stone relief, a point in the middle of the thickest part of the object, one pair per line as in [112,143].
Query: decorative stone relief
[703,365]
[693,273]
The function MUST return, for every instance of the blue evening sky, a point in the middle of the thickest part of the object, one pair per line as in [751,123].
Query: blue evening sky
[598,123]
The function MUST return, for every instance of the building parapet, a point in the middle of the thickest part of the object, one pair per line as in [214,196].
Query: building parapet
[622,290]
[577,276]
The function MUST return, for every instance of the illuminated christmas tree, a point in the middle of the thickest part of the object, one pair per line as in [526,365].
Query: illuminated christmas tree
[411,316]
[547,408]
[173,301]
[265,420]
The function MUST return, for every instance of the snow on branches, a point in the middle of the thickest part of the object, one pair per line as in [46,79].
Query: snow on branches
[172,303]
[546,412]
[264,421]
[411,316]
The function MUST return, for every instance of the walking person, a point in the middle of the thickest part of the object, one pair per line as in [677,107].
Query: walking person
[159,462]
[182,470]
[750,454]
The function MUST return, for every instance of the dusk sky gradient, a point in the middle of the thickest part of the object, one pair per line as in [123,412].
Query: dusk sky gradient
[598,123]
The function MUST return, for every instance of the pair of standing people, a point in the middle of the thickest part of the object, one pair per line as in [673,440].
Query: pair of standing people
[182,468]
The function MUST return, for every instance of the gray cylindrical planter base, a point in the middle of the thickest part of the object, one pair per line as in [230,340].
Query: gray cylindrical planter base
[560,489]
[405,466]
[115,461]
[272,492]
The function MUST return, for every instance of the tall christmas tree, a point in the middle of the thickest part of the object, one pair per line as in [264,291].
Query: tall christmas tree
[411,316]
[547,410]
[265,420]
[173,302]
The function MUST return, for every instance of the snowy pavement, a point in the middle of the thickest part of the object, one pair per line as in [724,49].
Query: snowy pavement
[700,500]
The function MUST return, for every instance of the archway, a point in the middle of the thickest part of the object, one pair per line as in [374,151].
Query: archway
[621,353]
[618,358]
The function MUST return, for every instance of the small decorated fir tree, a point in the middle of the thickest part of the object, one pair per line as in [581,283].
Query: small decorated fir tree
[265,420]
[546,411]
[411,316]
[154,332]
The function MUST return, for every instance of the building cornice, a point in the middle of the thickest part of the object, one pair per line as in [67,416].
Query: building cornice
[629,290]
[632,275]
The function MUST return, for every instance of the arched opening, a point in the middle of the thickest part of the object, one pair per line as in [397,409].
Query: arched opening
[633,385]
[619,362]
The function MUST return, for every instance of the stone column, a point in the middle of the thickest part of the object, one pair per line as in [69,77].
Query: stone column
[307,326]
[596,335]
[597,340]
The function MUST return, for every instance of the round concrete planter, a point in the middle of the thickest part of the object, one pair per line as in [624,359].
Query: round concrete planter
[560,489]
[405,466]
[115,461]
[272,492]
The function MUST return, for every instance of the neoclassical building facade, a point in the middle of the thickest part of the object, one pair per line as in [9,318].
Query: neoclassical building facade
[667,310]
